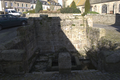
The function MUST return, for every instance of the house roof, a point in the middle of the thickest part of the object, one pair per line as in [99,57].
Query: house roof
[79,2]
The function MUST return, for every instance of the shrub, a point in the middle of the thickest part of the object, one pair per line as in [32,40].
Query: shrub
[30,11]
[49,11]
[38,7]
[73,5]
[87,7]
[70,10]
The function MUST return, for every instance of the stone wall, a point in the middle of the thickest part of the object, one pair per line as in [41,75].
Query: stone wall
[47,34]
[96,18]
[61,15]
[18,55]
[54,33]
[110,19]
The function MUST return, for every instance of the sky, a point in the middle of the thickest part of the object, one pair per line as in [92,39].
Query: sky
[60,1]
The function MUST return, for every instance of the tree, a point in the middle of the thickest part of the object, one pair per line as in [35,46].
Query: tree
[87,7]
[73,5]
[38,6]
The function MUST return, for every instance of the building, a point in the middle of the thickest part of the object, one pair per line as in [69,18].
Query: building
[78,2]
[54,6]
[26,5]
[18,5]
[106,6]
[102,6]
[50,5]
[56,1]
[64,3]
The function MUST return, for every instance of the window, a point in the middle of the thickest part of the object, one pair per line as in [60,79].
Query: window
[44,7]
[22,10]
[22,5]
[43,3]
[104,8]
[18,4]
[26,5]
[11,4]
[6,4]
[18,10]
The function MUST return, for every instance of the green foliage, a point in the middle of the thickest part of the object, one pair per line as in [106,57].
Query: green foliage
[70,10]
[38,7]
[81,24]
[92,12]
[87,7]
[73,24]
[73,5]
[30,11]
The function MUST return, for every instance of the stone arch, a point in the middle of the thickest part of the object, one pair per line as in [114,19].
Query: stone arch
[104,8]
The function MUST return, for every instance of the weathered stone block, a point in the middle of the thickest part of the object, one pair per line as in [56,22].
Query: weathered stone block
[1,69]
[12,55]
[64,62]
[113,58]
[14,69]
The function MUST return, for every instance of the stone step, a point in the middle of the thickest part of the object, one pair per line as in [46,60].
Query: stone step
[42,58]
[74,75]
[79,71]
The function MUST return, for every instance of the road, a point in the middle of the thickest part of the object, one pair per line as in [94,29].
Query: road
[7,34]
[108,27]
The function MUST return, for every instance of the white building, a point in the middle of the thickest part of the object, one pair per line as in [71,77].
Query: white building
[18,5]
[0,5]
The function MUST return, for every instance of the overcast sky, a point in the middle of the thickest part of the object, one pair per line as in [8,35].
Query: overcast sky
[60,1]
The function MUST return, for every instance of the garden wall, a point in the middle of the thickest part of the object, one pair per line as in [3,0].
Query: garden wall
[110,19]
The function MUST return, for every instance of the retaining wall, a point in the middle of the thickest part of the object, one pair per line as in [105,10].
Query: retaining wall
[111,19]
[97,18]
[47,34]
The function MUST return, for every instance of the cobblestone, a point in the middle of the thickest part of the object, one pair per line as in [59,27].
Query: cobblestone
[74,75]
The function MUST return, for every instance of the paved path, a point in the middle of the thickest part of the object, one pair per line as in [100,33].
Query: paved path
[8,34]
[109,27]
[75,75]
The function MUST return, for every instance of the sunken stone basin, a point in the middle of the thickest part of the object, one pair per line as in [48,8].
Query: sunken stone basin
[64,62]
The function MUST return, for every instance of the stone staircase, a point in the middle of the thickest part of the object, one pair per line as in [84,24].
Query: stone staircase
[47,63]
[40,64]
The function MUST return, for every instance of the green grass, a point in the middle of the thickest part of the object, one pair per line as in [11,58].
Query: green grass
[73,24]
[92,12]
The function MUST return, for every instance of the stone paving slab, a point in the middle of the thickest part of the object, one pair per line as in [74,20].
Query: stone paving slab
[75,75]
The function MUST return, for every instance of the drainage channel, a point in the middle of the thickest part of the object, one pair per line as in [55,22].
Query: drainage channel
[46,63]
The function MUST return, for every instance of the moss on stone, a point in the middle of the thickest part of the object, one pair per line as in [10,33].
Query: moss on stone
[73,24]
[41,23]
[81,24]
